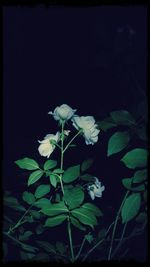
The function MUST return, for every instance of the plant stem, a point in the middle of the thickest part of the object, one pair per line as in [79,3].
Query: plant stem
[78,255]
[115,225]
[70,240]
[62,155]
[20,220]
[120,242]
[97,244]
[72,140]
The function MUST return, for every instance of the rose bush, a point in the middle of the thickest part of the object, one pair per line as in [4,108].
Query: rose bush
[63,112]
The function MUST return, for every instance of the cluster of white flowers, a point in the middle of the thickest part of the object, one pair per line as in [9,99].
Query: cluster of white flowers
[64,113]
[95,190]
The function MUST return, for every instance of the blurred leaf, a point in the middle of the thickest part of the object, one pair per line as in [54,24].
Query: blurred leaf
[145,196]
[57,199]
[131,207]
[71,174]
[122,117]
[140,176]
[27,163]
[35,214]
[106,124]
[102,233]
[42,190]
[50,164]
[13,203]
[86,164]
[92,208]
[35,176]
[73,197]
[29,248]
[77,224]
[142,132]
[135,158]
[127,182]
[28,197]
[87,177]
[39,229]
[25,236]
[53,221]
[141,218]
[89,238]
[47,246]
[117,142]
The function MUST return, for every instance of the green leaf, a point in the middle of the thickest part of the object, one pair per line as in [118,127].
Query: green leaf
[140,176]
[131,207]
[29,248]
[13,203]
[73,196]
[117,142]
[53,180]
[89,238]
[46,246]
[92,208]
[28,197]
[39,229]
[41,203]
[86,164]
[57,199]
[25,236]
[77,224]
[54,209]
[135,158]
[61,248]
[49,164]
[106,124]
[58,171]
[53,221]
[122,117]
[35,176]
[84,216]
[27,163]
[35,214]
[71,174]
[87,177]
[42,190]
[127,182]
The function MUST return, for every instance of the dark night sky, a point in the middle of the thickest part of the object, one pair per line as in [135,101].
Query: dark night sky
[91,58]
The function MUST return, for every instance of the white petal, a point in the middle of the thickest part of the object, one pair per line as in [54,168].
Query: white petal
[92,194]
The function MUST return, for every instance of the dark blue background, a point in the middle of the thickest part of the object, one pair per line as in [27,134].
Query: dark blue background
[92,58]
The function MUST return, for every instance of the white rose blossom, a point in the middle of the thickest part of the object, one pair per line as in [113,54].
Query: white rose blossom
[46,146]
[88,126]
[95,190]
[63,112]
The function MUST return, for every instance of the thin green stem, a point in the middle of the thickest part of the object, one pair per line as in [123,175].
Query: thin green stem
[72,140]
[120,242]
[78,255]
[20,220]
[70,240]
[115,225]
[62,155]
[13,238]
[97,244]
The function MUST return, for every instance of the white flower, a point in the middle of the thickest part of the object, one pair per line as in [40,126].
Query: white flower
[46,146]
[87,124]
[64,112]
[67,132]
[95,190]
